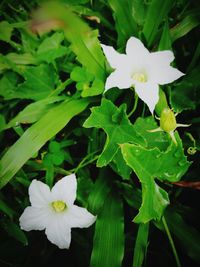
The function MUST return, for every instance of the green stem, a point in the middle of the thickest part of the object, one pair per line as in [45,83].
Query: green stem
[171,242]
[134,107]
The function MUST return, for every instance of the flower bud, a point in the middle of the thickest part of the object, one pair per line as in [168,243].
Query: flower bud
[168,120]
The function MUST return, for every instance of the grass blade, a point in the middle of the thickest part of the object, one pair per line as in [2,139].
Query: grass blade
[108,247]
[36,136]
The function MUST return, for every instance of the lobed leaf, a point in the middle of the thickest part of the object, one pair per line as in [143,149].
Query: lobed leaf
[117,126]
[169,165]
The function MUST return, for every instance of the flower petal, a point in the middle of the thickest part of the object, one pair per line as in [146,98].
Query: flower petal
[65,190]
[58,233]
[164,75]
[114,58]
[149,93]
[79,217]
[162,58]
[39,194]
[135,49]
[120,79]
[34,218]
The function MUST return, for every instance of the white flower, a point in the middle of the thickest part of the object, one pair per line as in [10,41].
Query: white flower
[54,211]
[141,69]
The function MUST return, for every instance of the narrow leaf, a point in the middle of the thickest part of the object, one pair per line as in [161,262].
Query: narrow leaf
[141,245]
[108,244]
[157,11]
[36,136]
[124,20]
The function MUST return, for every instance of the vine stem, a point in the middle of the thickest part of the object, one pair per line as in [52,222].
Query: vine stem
[171,242]
[135,106]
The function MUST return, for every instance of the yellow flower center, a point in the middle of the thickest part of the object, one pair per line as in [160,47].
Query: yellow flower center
[139,77]
[59,205]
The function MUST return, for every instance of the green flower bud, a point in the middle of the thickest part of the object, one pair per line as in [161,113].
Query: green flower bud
[168,120]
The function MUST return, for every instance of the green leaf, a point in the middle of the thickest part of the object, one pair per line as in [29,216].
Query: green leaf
[6,209]
[108,244]
[124,20]
[141,244]
[51,48]
[34,111]
[153,139]
[99,192]
[8,85]
[13,230]
[119,166]
[118,128]
[157,12]
[184,26]
[187,235]
[84,41]
[36,136]
[79,74]
[165,41]
[186,95]
[169,165]
[86,82]
[54,147]
[22,59]
[2,122]
[5,31]
[39,82]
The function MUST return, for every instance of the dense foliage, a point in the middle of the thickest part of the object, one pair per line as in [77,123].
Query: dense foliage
[56,120]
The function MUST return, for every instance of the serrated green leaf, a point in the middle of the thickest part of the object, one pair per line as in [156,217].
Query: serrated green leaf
[108,244]
[117,126]
[157,12]
[51,48]
[36,136]
[124,20]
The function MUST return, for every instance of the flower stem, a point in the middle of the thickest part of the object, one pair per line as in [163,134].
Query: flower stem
[135,105]
[171,242]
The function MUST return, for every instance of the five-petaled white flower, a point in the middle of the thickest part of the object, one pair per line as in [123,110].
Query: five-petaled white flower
[54,211]
[141,69]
